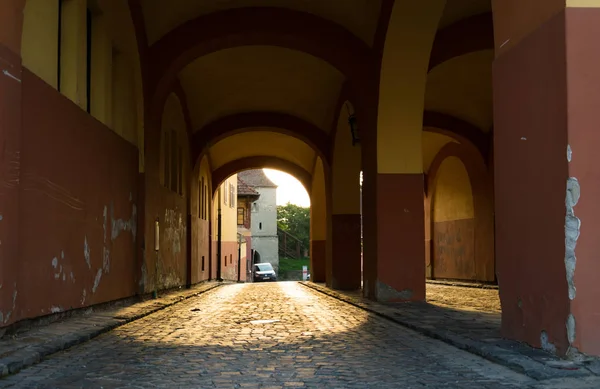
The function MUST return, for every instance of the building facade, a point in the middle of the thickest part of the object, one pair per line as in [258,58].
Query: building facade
[246,196]
[232,253]
[263,223]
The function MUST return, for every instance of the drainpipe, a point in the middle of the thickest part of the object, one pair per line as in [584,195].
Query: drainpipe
[219,238]
[239,258]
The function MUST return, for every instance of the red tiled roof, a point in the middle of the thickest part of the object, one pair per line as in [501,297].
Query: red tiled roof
[256,178]
[243,189]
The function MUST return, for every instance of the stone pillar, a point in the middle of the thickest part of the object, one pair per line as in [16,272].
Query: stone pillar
[547,179]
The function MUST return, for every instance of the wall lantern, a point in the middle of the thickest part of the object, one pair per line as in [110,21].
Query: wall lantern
[353,126]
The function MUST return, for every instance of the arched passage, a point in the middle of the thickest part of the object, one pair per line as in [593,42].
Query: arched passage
[245,204]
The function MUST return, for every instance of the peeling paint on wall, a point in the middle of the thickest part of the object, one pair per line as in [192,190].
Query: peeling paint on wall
[14,305]
[86,253]
[572,228]
[55,309]
[106,259]
[175,230]
[105,216]
[546,344]
[120,225]
[571,328]
[385,292]
[97,280]
[83,296]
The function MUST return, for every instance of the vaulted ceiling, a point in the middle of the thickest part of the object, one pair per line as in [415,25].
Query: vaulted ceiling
[238,81]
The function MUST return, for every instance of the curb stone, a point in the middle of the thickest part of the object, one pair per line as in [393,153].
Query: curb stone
[512,360]
[103,321]
[463,284]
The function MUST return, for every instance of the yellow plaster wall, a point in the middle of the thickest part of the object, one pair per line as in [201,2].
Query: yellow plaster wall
[318,204]
[73,61]
[101,82]
[345,170]
[228,213]
[261,78]
[462,87]
[39,43]
[453,198]
[124,107]
[116,84]
[583,3]
[409,39]
[262,143]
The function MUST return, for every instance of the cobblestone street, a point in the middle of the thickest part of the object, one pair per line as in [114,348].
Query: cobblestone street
[277,335]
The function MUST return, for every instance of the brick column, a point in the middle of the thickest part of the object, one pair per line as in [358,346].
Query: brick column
[547,180]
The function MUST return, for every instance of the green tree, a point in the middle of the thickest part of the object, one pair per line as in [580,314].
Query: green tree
[295,220]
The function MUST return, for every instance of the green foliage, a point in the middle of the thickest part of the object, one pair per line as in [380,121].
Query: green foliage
[290,264]
[295,220]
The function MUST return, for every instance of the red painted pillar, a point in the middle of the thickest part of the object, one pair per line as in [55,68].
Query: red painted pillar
[547,181]
[346,252]
[318,254]
[10,177]
[393,231]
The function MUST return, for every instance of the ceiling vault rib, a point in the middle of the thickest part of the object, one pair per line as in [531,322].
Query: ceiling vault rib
[258,162]
[475,33]
[282,123]
[457,129]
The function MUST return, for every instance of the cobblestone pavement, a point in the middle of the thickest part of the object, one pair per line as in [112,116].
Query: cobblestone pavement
[226,338]
[464,298]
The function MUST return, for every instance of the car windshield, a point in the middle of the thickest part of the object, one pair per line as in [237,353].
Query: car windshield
[264,267]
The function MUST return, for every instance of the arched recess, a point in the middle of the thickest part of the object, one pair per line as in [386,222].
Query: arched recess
[200,266]
[167,191]
[345,205]
[320,225]
[460,200]
[272,26]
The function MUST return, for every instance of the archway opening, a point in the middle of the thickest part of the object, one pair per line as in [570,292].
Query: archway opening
[261,216]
